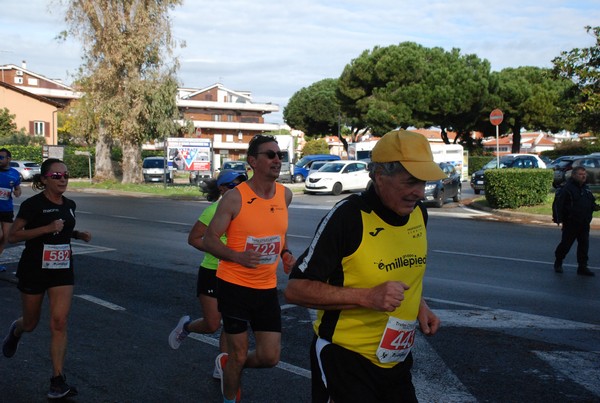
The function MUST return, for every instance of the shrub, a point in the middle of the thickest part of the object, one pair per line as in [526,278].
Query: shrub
[513,188]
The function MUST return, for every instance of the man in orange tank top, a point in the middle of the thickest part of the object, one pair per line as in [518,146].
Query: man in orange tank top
[254,216]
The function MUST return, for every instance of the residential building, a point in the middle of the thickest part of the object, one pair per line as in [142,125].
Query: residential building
[34,100]
[229,118]
[35,114]
[531,143]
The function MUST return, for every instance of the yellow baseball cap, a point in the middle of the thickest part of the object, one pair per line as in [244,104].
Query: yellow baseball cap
[412,150]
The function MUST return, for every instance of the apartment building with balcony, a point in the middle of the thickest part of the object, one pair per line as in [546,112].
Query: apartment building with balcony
[229,118]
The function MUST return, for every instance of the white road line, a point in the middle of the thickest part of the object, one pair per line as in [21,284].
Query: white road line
[281,365]
[478,255]
[433,380]
[579,366]
[100,302]
[503,319]
[13,255]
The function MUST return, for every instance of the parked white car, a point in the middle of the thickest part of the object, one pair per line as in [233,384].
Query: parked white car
[26,169]
[337,177]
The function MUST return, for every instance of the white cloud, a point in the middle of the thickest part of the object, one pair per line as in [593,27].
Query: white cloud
[274,48]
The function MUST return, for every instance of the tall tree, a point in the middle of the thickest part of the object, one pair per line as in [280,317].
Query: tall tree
[314,109]
[127,77]
[530,98]
[410,85]
[582,66]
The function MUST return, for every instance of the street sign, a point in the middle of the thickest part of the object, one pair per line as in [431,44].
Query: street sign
[496,117]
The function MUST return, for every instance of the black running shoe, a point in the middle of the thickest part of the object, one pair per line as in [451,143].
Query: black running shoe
[59,388]
[11,342]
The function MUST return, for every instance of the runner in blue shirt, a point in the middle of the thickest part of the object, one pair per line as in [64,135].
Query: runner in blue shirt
[10,183]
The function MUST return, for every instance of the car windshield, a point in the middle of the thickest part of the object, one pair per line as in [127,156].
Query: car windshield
[32,165]
[317,165]
[330,167]
[505,162]
[564,163]
[491,164]
[154,163]
[236,166]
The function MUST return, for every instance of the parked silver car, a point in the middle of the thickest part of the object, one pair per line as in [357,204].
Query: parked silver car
[26,169]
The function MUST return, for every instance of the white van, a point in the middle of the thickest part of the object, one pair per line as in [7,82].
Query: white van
[153,169]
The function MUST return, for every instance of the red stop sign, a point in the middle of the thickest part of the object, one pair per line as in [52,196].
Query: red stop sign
[496,117]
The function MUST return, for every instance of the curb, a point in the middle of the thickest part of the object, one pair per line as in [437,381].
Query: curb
[595,224]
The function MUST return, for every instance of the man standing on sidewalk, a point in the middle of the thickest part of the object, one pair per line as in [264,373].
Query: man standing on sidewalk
[10,183]
[255,217]
[575,206]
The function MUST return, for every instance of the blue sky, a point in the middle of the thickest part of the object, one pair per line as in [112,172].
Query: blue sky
[274,48]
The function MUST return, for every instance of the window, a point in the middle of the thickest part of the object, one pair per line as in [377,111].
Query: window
[229,138]
[32,81]
[217,118]
[38,128]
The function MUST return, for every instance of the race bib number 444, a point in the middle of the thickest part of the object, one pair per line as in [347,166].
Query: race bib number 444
[268,247]
[397,340]
[56,257]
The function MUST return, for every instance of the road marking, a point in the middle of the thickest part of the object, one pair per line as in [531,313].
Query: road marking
[281,365]
[13,255]
[512,259]
[100,302]
[433,380]
[582,367]
[501,319]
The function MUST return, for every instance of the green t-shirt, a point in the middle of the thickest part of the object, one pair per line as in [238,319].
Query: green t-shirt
[209,261]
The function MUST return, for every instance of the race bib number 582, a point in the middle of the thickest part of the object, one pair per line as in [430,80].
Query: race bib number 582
[56,257]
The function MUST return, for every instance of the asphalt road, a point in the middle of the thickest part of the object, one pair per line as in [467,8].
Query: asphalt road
[513,330]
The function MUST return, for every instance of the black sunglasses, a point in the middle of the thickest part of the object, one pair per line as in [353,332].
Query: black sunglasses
[271,154]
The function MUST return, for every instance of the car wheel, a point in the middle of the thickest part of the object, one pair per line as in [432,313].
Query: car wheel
[457,197]
[298,178]
[337,188]
[439,201]
[477,191]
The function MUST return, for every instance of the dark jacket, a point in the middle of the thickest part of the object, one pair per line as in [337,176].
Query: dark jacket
[576,204]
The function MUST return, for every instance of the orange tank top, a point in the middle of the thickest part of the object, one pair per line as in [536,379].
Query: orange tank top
[260,225]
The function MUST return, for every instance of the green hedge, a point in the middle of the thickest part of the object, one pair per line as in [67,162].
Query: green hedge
[513,188]
[78,164]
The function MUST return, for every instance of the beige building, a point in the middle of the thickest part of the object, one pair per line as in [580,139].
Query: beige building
[35,114]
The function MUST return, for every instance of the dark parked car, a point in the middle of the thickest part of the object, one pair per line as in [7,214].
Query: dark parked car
[592,167]
[561,168]
[558,160]
[506,161]
[450,187]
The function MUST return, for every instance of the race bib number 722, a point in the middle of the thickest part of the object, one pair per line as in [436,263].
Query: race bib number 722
[268,247]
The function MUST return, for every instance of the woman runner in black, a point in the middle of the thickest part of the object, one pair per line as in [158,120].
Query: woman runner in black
[45,222]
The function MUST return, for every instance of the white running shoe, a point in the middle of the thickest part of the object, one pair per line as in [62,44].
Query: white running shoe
[178,334]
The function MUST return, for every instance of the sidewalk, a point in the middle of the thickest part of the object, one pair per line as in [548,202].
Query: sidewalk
[537,218]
